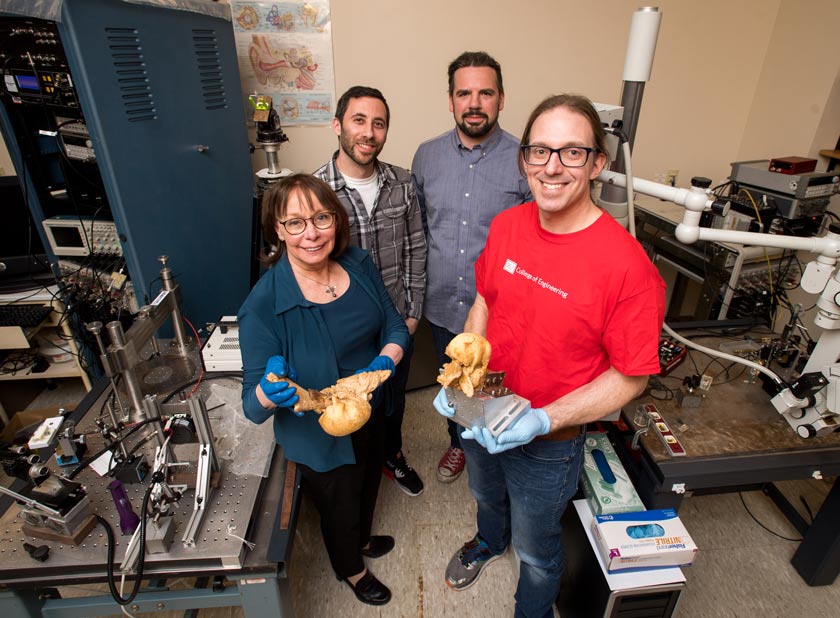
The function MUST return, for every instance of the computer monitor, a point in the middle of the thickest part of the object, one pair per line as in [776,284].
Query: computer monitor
[23,262]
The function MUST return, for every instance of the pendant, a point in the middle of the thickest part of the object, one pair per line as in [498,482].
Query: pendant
[331,290]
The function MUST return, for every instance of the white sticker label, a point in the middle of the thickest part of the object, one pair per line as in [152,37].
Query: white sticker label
[160,297]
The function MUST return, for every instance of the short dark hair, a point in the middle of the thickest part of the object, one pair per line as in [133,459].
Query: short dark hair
[359,92]
[275,203]
[475,59]
[575,103]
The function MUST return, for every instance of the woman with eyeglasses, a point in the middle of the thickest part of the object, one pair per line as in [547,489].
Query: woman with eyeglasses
[320,313]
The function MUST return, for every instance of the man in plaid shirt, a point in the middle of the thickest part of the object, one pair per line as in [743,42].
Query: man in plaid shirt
[385,219]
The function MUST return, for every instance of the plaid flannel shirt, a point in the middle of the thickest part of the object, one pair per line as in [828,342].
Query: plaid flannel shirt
[393,233]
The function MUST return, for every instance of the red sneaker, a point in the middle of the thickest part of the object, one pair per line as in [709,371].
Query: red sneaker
[451,464]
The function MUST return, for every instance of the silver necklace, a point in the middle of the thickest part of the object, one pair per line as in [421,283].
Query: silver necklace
[328,289]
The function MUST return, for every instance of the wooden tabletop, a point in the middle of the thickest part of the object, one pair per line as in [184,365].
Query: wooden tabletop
[734,418]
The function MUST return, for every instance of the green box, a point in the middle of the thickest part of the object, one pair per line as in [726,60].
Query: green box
[604,480]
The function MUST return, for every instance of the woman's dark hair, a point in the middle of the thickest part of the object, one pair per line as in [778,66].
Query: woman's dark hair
[575,103]
[275,204]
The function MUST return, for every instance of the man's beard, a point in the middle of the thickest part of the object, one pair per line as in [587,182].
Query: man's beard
[347,147]
[476,130]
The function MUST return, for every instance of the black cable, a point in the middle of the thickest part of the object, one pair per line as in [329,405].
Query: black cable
[115,443]
[715,360]
[215,376]
[655,386]
[112,587]
[735,377]
[755,519]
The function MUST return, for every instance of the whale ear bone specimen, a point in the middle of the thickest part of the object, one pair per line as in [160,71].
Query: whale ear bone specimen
[345,406]
[470,354]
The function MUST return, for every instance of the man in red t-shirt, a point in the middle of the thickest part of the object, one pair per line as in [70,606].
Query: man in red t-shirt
[573,308]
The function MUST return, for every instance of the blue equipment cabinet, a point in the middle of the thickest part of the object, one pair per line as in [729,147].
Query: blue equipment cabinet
[156,84]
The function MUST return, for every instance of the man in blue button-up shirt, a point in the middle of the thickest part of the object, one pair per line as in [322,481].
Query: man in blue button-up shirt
[464,178]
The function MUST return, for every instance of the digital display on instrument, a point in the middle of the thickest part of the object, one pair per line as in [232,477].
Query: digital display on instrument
[27,82]
[67,237]
[70,236]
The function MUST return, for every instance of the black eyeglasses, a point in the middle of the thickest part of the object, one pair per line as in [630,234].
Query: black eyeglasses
[570,156]
[323,221]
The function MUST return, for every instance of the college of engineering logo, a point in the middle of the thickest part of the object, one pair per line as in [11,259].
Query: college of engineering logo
[514,269]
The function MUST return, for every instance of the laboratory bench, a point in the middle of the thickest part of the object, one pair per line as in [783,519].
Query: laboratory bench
[243,509]
[734,439]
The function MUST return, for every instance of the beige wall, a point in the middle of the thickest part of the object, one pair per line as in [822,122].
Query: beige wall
[792,109]
[731,80]
[723,69]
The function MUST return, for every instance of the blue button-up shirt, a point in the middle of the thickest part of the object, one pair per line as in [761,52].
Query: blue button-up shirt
[460,190]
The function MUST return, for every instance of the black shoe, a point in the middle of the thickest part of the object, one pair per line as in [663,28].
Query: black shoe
[370,590]
[378,546]
[404,475]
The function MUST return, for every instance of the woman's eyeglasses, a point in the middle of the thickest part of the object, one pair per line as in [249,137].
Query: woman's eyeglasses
[322,221]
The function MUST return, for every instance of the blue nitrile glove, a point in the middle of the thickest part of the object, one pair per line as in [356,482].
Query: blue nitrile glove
[379,363]
[441,404]
[280,393]
[534,423]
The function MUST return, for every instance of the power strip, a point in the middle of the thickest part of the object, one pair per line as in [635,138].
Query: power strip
[671,442]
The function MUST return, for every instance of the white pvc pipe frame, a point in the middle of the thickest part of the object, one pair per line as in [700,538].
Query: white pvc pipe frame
[696,200]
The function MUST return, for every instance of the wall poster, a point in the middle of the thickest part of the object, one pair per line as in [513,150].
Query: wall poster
[285,51]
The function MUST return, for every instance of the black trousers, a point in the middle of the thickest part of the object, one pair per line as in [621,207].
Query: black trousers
[345,497]
[394,419]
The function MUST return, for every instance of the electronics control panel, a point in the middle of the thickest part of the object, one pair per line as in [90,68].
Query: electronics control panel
[671,355]
[75,139]
[80,236]
[35,66]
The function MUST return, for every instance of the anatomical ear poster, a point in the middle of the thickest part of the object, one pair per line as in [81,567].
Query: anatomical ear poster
[285,51]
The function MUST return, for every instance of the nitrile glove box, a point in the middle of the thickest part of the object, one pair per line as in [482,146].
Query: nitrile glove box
[643,540]
[604,481]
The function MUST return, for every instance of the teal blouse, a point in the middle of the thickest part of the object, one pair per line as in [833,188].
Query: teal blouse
[276,319]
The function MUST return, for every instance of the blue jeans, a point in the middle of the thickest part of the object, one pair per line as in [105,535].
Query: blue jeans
[521,495]
[441,338]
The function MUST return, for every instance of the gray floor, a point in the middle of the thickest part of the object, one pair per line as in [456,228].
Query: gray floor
[741,571]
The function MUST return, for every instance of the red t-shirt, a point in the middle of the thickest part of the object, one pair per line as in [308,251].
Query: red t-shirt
[563,308]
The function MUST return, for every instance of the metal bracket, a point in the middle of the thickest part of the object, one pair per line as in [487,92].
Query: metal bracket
[494,406]
[206,465]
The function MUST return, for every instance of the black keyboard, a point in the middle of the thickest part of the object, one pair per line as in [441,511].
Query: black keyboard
[24,316]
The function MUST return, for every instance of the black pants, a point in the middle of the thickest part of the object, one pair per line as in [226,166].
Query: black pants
[394,419]
[346,497]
